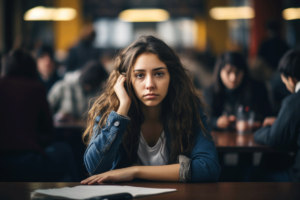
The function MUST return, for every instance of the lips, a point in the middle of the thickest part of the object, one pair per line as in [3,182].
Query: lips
[150,96]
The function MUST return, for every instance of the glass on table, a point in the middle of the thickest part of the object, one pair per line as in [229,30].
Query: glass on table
[244,120]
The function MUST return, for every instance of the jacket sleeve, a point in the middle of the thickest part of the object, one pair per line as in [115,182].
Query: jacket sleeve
[282,133]
[204,157]
[102,153]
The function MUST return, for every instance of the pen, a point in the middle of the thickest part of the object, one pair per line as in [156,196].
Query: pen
[112,197]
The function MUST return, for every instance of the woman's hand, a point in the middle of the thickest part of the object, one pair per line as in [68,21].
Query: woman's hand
[117,175]
[122,95]
[224,121]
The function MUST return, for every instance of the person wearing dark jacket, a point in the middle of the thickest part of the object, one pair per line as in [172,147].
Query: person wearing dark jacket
[232,88]
[283,132]
[27,151]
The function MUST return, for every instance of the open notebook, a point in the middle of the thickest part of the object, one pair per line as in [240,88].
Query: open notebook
[92,191]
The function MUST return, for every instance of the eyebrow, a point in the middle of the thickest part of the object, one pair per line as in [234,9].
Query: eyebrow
[142,70]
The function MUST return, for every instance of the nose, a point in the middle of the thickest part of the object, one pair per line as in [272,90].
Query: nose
[232,77]
[150,83]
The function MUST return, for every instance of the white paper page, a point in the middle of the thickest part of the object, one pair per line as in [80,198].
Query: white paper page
[84,192]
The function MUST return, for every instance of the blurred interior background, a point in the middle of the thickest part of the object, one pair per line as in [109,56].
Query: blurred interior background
[184,24]
[72,39]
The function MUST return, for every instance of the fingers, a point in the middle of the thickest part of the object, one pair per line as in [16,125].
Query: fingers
[107,179]
[95,180]
[91,180]
[86,180]
[104,179]
[121,78]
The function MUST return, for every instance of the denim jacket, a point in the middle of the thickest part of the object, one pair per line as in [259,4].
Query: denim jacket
[104,151]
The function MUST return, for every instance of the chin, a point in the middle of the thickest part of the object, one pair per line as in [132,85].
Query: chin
[151,103]
[232,87]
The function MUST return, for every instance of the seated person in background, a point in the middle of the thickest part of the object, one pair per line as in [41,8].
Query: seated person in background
[233,88]
[46,67]
[69,99]
[26,149]
[283,132]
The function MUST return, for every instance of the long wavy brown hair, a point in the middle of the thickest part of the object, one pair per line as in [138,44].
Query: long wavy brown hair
[179,108]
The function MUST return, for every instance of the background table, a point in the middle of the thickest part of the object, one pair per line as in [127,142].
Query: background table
[203,191]
[226,141]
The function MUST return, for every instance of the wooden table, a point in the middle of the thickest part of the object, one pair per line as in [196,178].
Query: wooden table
[234,142]
[222,191]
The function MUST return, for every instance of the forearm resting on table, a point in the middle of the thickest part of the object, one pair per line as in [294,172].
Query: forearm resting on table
[158,173]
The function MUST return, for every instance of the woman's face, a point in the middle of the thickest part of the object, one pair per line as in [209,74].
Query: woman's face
[231,76]
[150,79]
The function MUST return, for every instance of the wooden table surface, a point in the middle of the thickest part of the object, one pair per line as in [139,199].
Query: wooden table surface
[223,191]
[234,142]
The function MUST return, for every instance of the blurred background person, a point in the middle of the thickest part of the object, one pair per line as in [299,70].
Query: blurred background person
[270,51]
[46,66]
[232,88]
[84,51]
[69,98]
[283,132]
[26,141]
[273,47]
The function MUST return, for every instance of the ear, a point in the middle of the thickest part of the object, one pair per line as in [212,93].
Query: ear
[292,81]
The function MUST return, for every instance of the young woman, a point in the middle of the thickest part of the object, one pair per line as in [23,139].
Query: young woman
[232,88]
[149,122]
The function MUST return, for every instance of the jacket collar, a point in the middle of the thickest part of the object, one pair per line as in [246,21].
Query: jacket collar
[297,88]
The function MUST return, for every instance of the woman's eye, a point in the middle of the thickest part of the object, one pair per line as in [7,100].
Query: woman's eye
[159,74]
[139,75]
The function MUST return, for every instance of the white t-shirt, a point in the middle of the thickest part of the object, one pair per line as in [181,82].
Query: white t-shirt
[156,155]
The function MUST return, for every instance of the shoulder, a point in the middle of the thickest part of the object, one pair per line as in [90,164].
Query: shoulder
[58,86]
[112,116]
[292,100]
[23,83]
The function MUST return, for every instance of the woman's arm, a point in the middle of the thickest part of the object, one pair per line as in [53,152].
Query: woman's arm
[154,173]
[103,153]
[204,162]
[158,173]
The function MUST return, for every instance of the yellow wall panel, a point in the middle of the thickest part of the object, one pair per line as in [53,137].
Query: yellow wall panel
[67,32]
[217,30]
